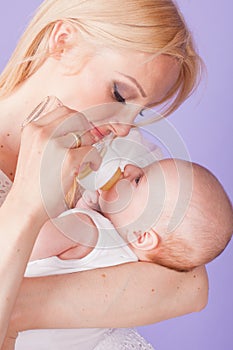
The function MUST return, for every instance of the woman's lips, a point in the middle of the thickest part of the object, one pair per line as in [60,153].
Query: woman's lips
[97,133]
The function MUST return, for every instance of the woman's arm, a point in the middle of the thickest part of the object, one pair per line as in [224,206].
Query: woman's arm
[15,250]
[127,295]
[35,196]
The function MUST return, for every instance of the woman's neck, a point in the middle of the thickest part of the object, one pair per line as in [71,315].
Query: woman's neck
[13,111]
[9,136]
[15,108]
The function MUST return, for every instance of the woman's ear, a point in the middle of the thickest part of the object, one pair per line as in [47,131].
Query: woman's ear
[146,241]
[62,37]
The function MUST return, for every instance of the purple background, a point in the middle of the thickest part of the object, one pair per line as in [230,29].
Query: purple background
[205,124]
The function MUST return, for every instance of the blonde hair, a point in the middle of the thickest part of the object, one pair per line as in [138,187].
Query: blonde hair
[205,230]
[151,26]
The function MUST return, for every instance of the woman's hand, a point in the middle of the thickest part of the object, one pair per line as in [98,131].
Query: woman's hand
[48,159]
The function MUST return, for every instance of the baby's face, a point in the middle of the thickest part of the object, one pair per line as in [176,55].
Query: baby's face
[134,203]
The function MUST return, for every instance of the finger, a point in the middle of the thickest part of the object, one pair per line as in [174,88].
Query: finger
[70,140]
[60,120]
[55,117]
[64,124]
[88,156]
[90,196]
[51,110]
[79,159]
[57,113]
[48,104]
[66,127]
[77,139]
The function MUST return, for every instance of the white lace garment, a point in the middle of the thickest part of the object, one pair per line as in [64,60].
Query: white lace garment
[123,339]
[5,185]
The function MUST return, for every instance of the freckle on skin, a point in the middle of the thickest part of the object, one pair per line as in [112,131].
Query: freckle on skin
[152,290]
[1,146]
[103,275]
[194,276]
[177,287]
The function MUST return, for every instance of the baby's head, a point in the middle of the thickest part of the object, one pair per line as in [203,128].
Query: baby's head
[173,212]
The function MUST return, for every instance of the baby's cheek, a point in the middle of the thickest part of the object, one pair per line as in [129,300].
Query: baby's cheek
[117,199]
[108,196]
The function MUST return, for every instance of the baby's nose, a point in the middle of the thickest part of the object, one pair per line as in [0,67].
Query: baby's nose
[130,170]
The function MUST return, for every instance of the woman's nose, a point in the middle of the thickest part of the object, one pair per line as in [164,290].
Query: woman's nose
[119,129]
[124,119]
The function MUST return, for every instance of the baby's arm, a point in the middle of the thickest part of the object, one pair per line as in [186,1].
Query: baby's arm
[69,237]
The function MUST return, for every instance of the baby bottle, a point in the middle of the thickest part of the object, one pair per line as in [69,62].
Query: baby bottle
[108,173]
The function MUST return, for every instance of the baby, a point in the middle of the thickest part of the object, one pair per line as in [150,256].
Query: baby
[173,212]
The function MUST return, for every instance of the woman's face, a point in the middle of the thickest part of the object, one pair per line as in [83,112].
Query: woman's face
[112,87]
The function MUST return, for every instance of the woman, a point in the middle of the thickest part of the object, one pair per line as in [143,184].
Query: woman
[87,53]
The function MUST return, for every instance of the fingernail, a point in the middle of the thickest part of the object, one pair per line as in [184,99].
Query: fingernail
[47,105]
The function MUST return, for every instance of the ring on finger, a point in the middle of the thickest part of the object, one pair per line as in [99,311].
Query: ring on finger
[77,138]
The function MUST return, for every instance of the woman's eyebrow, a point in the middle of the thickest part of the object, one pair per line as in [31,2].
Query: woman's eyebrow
[142,92]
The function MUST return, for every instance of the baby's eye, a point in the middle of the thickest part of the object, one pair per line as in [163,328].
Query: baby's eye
[118,97]
[137,180]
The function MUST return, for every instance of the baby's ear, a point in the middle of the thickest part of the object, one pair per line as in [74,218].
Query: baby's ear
[146,241]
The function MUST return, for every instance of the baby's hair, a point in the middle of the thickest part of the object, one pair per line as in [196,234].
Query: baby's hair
[205,229]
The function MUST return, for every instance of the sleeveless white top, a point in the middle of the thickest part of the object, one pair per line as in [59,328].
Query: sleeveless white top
[110,250]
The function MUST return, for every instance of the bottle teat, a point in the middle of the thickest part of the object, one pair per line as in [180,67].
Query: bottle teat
[111,182]
[108,173]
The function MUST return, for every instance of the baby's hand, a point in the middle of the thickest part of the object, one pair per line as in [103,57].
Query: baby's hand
[89,200]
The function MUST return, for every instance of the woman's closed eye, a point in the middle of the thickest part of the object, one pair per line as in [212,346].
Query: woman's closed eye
[116,94]
[141,113]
